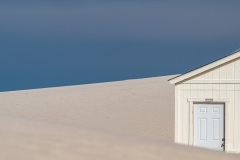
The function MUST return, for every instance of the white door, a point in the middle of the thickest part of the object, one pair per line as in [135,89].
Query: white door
[209,126]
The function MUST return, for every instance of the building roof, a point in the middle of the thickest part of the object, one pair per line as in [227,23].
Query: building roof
[206,67]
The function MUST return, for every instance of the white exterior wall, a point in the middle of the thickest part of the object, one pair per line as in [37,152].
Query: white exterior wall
[221,84]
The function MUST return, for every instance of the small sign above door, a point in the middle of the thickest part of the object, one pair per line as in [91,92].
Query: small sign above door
[208,100]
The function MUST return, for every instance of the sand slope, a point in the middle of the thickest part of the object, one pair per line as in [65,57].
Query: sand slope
[120,120]
[142,107]
[24,139]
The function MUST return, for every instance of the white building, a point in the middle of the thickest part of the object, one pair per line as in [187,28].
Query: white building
[207,105]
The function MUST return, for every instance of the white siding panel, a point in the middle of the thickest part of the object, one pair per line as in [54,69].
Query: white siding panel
[230,125]
[216,94]
[208,94]
[237,118]
[194,94]
[230,87]
[222,94]
[215,74]
[185,118]
[208,91]
[236,123]
[208,75]
[201,87]
[222,87]
[237,69]
[223,73]
[194,91]
[208,87]
[186,87]
[180,115]
[215,87]
[222,90]
[176,130]
[194,87]
[201,91]
[237,87]
[230,71]
[201,94]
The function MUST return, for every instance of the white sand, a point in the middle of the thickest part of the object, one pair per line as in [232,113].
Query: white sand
[120,120]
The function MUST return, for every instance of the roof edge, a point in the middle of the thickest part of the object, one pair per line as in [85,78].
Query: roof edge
[201,69]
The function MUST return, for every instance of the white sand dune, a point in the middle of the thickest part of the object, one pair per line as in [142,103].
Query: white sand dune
[119,120]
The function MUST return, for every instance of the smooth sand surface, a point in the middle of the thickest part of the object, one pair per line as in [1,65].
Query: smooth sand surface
[131,119]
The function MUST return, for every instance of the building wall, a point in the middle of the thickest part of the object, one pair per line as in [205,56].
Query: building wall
[219,83]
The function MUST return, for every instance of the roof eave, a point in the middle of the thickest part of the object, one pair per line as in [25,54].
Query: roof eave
[205,68]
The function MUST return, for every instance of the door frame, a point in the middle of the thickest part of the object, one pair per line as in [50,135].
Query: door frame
[193,101]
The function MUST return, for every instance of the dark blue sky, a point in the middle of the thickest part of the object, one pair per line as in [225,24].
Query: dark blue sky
[48,43]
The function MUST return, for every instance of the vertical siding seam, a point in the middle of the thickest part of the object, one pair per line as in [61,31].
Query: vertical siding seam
[235,117]
[219,84]
[176,121]
[190,95]
[211,85]
[219,73]
[182,119]
[212,90]
[233,109]
[234,71]
[238,131]
[234,130]
[234,103]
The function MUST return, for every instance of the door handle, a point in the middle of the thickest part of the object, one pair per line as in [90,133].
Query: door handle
[223,144]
